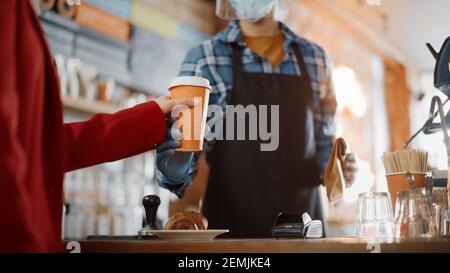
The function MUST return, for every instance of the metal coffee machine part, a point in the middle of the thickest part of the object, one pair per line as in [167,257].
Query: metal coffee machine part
[442,69]
[442,83]
[151,204]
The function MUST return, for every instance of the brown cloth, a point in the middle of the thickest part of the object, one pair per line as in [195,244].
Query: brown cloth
[333,177]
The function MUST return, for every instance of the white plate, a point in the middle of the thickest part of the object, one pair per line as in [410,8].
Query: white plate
[189,235]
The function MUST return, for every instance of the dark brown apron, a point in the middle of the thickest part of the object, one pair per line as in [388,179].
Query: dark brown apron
[248,187]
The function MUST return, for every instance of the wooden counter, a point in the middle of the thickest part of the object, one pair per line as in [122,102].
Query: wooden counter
[333,245]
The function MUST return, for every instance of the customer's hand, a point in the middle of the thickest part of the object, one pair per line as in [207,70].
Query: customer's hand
[349,169]
[166,104]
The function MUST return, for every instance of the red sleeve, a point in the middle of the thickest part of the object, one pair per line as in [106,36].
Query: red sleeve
[107,137]
[15,230]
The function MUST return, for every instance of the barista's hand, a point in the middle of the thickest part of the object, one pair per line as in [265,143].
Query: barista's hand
[349,168]
[175,166]
[166,104]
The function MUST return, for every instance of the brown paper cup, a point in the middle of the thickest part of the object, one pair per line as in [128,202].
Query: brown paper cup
[192,121]
[398,182]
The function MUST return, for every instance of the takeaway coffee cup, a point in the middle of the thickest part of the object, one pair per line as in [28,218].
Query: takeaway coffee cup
[192,121]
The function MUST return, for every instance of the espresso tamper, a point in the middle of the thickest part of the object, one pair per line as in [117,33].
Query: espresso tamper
[151,204]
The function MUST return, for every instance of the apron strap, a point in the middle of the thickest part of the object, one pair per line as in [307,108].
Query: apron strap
[301,61]
[303,69]
[237,60]
[237,63]
[236,57]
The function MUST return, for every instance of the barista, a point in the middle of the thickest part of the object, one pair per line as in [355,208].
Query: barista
[258,60]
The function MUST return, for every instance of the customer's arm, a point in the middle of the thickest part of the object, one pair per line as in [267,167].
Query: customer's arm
[110,137]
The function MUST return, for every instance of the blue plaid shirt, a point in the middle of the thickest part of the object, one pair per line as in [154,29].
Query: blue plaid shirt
[212,60]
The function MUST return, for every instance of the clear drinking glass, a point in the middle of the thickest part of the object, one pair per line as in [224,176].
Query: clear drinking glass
[439,198]
[374,217]
[445,228]
[414,217]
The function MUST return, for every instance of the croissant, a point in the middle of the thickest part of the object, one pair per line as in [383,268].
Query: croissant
[191,220]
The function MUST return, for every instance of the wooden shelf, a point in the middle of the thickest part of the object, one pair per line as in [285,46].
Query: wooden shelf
[90,107]
[123,78]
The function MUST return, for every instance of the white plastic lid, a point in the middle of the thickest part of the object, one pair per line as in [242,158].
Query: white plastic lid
[190,80]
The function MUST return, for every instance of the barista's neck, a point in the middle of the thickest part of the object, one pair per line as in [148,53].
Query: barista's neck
[266,27]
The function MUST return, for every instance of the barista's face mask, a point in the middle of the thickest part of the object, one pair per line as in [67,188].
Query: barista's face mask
[252,10]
